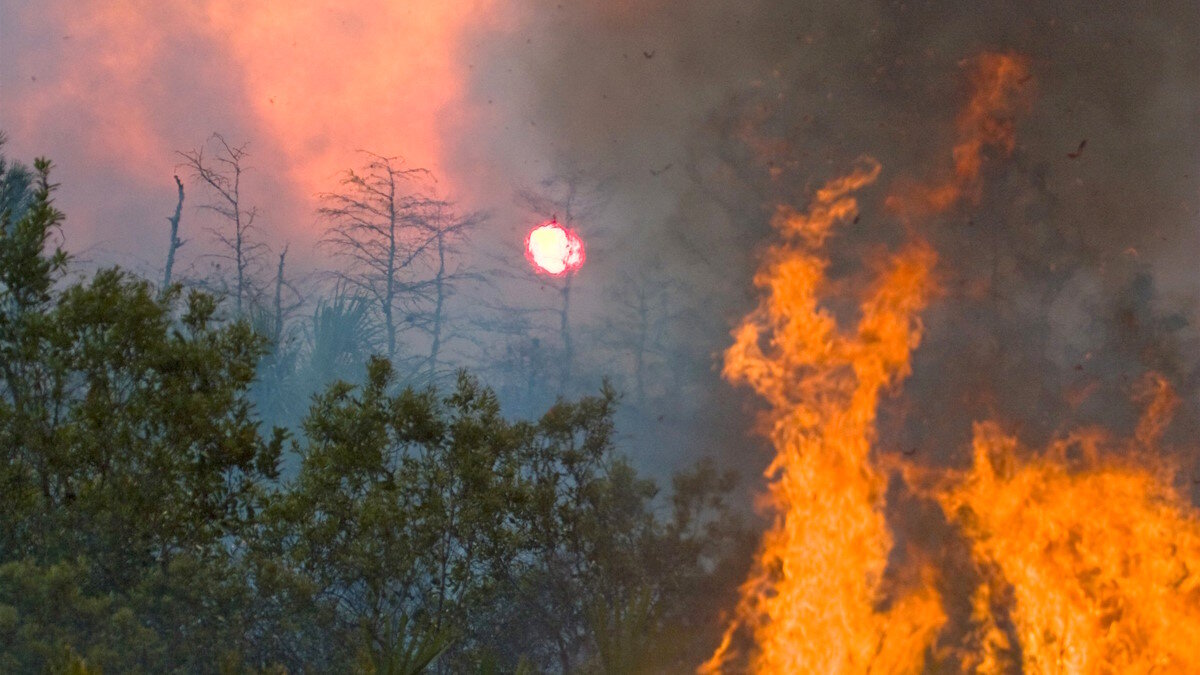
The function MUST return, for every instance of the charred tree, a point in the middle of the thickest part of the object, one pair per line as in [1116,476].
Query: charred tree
[282,307]
[376,225]
[222,174]
[638,325]
[446,230]
[176,242]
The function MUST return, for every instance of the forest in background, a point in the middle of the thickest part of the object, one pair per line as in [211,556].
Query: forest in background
[1070,278]
[215,473]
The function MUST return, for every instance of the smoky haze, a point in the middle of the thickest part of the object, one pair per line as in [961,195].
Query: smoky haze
[1069,279]
[682,126]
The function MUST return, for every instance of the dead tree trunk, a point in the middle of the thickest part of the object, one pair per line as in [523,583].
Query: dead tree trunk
[389,303]
[222,173]
[565,329]
[176,242]
[277,328]
[439,304]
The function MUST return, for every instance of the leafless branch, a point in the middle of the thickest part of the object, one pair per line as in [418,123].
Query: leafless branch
[400,246]
[221,174]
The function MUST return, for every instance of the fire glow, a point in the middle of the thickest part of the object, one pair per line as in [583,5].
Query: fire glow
[1085,565]
[553,249]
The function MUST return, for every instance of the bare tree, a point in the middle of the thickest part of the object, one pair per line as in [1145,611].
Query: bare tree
[279,390]
[376,224]
[283,307]
[176,242]
[446,230]
[644,309]
[222,174]
[577,197]
[518,354]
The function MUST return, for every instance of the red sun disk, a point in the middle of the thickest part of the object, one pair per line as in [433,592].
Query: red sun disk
[553,249]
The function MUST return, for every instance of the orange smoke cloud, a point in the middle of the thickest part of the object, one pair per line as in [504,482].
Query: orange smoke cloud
[326,79]
[97,75]
[306,83]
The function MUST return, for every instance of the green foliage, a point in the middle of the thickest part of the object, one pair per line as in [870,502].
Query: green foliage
[132,461]
[334,345]
[417,518]
[26,274]
[16,189]
[51,608]
[77,665]
[400,653]
[342,335]
[399,509]
[625,636]
[144,525]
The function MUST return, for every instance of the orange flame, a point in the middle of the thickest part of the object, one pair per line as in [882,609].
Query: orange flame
[1000,90]
[1087,563]
[812,602]
[1101,558]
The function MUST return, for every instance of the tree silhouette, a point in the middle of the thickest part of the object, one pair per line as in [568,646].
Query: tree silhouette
[376,224]
[221,172]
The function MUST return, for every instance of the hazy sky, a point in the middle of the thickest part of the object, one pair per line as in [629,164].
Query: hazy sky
[110,90]
[689,122]
[494,95]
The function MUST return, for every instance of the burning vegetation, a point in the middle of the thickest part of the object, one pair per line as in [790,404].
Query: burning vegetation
[398,421]
[1082,562]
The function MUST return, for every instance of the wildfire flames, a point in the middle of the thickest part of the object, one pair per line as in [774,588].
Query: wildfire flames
[554,249]
[1084,564]
[1097,558]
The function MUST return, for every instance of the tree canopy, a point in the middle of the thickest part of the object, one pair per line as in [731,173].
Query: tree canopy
[146,526]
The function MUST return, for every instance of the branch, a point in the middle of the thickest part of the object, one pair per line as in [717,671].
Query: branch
[176,242]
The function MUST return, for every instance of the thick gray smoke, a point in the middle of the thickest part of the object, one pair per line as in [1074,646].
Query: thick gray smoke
[1073,276]
[1070,279]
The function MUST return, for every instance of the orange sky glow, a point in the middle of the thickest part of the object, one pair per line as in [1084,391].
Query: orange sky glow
[124,84]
